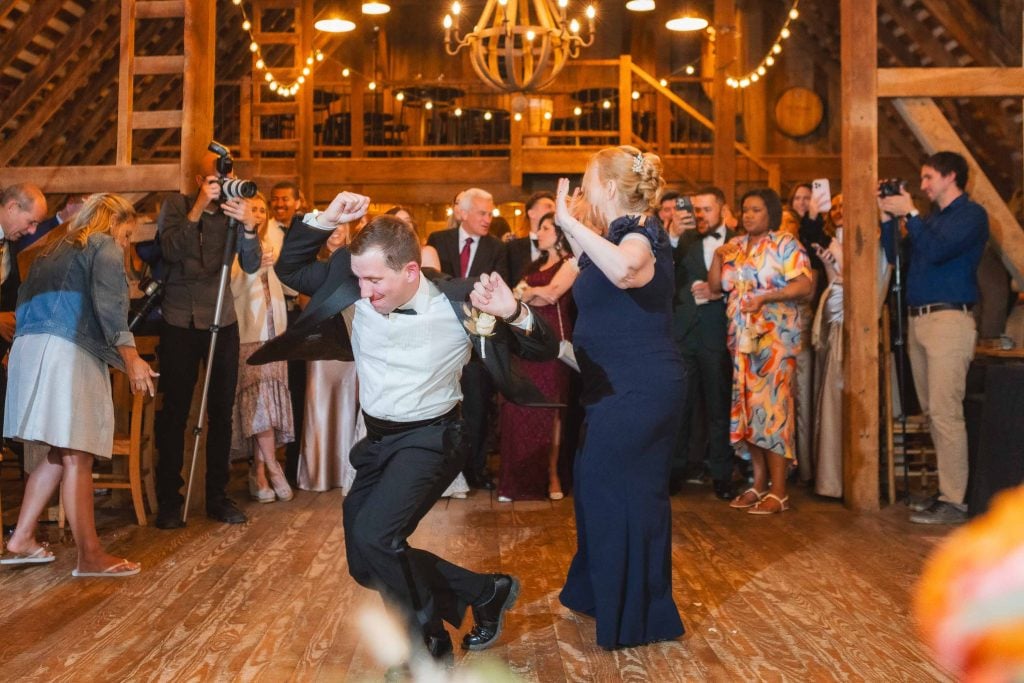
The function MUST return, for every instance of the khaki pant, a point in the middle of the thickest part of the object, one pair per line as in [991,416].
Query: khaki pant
[941,346]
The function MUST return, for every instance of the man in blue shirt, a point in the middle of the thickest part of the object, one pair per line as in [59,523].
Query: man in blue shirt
[942,288]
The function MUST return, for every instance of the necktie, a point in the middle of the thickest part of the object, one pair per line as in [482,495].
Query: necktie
[464,257]
[534,243]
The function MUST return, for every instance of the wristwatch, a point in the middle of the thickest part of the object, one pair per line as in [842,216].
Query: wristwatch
[515,314]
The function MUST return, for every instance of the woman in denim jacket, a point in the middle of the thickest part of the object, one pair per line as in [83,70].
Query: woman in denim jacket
[72,322]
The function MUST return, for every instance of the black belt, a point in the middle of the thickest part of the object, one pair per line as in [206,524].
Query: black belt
[377,428]
[935,308]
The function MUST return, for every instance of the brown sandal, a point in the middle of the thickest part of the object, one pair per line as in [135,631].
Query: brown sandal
[759,508]
[742,501]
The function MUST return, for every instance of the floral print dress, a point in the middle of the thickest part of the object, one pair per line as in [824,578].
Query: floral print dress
[764,345]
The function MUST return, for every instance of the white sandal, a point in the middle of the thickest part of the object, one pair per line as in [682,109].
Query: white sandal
[738,504]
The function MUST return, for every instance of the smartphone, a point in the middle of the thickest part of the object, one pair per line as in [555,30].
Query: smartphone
[683,203]
[821,194]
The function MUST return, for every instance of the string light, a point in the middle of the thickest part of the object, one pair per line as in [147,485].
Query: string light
[768,60]
[283,89]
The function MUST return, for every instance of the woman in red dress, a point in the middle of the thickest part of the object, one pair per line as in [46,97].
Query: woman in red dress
[530,437]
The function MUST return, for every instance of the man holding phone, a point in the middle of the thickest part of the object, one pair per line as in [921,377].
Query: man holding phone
[676,214]
[700,328]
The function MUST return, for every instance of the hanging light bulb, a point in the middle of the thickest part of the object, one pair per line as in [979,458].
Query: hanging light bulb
[246,25]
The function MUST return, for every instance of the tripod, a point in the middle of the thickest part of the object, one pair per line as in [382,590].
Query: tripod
[899,344]
[230,245]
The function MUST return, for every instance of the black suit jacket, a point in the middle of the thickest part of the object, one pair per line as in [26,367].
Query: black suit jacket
[696,327]
[489,257]
[520,255]
[319,333]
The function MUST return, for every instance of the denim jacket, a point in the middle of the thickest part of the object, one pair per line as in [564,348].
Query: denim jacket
[80,295]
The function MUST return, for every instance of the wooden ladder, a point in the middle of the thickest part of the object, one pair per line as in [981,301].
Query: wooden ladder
[195,66]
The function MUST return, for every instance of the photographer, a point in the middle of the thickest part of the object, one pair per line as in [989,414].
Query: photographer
[942,288]
[193,232]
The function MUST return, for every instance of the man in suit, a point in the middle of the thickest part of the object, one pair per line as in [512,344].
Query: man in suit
[22,208]
[468,251]
[700,328]
[522,251]
[284,205]
[409,392]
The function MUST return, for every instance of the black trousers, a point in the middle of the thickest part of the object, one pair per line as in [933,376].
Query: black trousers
[297,387]
[709,395]
[398,480]
[477,392]
[182,351]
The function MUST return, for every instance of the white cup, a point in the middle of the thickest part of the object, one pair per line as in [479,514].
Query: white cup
[700,300]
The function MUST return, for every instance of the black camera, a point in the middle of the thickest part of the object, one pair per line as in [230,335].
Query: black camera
[230,188]
[891,187]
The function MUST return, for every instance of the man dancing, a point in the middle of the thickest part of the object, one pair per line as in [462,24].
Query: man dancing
[409,343]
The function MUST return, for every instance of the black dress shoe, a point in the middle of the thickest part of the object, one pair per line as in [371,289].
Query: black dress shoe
[169,517]
[225,510]
[479,480]
[723,489]
[489,616]
[440,648]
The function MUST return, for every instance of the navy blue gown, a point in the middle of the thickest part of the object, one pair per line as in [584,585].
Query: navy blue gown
[633,383]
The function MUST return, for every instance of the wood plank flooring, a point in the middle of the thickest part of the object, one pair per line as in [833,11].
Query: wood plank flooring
[816,594]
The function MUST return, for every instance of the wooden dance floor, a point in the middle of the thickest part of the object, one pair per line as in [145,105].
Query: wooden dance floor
[815,594]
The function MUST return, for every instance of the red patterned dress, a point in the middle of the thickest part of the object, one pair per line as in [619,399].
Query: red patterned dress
[527,433]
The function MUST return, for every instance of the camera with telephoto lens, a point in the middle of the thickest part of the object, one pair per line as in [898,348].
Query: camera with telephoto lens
[230,188]
[890,187]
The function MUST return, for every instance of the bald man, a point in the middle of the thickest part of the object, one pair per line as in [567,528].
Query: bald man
[193,233]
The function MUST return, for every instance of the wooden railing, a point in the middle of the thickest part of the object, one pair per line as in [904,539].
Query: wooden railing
[595,104]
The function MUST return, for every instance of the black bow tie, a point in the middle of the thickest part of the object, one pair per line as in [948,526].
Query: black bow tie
[533,241]
[405,311]
[715,234]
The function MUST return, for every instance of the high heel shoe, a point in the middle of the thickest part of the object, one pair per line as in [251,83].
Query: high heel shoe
[261,495]
[277,479]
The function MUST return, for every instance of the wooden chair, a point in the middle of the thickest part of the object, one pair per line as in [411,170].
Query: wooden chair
[133,440]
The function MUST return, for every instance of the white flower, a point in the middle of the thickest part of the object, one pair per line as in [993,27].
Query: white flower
[485,323]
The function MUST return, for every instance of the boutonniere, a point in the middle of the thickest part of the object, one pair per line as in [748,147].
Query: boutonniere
[479,324]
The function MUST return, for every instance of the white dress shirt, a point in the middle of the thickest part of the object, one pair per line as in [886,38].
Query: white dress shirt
[463,236]
[5,257]
[276,234]
[409,365]
[712,242]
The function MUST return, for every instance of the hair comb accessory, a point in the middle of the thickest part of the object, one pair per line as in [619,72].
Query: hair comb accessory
[638,162]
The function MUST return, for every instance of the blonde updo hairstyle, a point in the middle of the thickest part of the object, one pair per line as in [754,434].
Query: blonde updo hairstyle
[637,191]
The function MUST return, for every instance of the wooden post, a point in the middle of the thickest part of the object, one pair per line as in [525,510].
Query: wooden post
[358,88]
[245,118]
[515,152]
[304,122]
[197,107]
[724,159]
[858,57]
[126,85]
[625,100]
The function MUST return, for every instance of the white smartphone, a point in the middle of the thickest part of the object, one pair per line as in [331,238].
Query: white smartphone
[821,194]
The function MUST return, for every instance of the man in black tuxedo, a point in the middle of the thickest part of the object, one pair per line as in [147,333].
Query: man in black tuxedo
[409,392]
[468,251]
[522,251]
[700,329]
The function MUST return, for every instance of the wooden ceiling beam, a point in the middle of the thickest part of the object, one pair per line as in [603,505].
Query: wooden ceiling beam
[6,7]
[980,38]
[52,64]
[76,78]
[966,81]
[28,26]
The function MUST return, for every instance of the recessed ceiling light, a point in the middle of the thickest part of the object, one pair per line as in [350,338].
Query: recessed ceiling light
[376,8]
[686,23]
[640,5]
[335,25]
